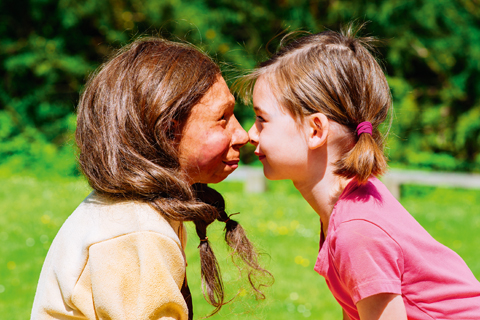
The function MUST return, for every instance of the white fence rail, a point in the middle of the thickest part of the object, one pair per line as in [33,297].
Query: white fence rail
[255,182]
[395,178]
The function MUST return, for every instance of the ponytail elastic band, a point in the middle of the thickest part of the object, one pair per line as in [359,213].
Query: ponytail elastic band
[202,240]
[364,127]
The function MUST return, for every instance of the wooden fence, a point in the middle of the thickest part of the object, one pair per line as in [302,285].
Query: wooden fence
[254,180]
[395,178]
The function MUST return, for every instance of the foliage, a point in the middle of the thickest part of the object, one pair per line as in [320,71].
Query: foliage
[432,57]
[280,222]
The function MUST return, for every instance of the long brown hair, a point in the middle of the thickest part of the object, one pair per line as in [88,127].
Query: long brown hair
[129,116]
[334,74]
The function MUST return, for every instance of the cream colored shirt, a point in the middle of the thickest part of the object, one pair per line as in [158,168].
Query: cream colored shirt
[113,260]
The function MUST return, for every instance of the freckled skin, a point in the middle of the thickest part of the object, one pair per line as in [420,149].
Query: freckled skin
[209,148]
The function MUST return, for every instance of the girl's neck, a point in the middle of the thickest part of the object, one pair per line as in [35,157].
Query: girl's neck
[322,194]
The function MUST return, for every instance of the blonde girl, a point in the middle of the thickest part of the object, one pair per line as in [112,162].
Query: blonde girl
[319,102]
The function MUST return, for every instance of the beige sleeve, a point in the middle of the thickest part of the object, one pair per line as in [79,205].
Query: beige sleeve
[135,276]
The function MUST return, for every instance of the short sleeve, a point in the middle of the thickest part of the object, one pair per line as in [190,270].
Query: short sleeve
[137,276]
[367,259]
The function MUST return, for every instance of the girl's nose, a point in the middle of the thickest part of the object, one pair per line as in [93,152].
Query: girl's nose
[253,135]
[240,136]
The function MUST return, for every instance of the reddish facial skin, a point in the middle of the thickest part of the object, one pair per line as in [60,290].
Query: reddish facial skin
[209,149]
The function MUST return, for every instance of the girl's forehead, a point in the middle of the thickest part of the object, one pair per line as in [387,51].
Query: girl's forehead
[267,99]
[262,91]
[267,88]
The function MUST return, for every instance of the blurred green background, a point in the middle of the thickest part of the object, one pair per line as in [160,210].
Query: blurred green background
[48,47]
[431,55]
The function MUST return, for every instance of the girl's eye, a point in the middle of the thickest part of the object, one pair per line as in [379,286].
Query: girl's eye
[260,119]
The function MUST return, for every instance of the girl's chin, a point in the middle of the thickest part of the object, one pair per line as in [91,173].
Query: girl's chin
[272,174]
[269,173]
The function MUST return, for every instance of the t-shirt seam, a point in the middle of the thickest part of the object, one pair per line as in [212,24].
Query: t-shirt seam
[374,224]
[382,281]
[418,307]
[339,209]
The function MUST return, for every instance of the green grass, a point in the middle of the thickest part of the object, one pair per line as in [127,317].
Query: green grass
[32,211]
[280,222]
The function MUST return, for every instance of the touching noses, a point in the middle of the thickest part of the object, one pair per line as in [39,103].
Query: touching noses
[253,135]
[240,136]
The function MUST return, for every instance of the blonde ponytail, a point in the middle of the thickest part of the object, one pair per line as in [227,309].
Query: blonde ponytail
[366,158]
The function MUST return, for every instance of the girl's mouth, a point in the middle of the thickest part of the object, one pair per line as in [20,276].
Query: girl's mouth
[259,155]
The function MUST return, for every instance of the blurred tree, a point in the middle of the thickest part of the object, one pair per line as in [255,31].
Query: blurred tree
[48,47]
[433,60]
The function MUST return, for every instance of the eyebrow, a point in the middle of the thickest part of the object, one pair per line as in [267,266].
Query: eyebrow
[257,109]
[229,104]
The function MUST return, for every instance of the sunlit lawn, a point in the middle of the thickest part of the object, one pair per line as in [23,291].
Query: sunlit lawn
[279,221]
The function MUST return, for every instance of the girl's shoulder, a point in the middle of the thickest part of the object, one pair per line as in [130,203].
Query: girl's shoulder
[373,203]
[368,200]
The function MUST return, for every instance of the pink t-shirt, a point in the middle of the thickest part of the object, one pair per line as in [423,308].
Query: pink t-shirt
[374,245]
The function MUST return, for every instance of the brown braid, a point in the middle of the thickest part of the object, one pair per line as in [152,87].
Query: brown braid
[234,235]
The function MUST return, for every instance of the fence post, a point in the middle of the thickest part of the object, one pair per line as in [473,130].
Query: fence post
[392,185]
[255,180]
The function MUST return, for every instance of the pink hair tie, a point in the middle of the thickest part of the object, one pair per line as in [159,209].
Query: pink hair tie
[364,127]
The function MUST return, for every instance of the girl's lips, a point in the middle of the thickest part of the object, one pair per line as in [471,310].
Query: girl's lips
[259,155]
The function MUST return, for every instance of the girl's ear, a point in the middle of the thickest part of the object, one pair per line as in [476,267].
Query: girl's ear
[318,126]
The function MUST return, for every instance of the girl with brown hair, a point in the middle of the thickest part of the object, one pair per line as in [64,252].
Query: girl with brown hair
[155,125]
[319,102]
